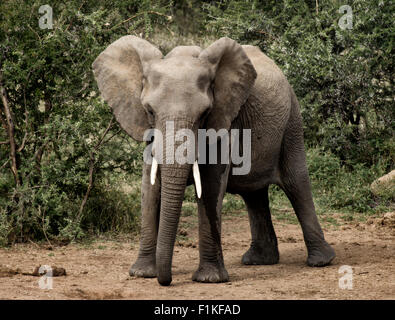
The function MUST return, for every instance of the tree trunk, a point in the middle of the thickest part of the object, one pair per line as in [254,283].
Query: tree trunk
[11,132]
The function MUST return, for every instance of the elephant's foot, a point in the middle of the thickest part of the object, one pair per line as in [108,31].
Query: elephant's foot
[144,268]
[212,273]
[261,254]
[320,256]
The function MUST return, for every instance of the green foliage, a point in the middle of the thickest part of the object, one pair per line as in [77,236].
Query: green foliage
[343,78]
[344,82]
[61,125]
[232,204]
[189,209]
[337,187]
[112,209]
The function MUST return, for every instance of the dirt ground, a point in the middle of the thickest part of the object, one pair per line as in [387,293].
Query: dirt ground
[99,270]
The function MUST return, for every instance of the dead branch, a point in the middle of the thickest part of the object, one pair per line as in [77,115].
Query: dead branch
[169,18]
[92,162]
[26,121]
[23,143]
[83,2]
[2,120]
[40,151]
[26,131]
[43,225]
[10,131]
[4,164]
[98,145]
[267,33]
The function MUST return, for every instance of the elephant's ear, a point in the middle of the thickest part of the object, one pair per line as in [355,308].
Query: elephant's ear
[234,76]
[119,74]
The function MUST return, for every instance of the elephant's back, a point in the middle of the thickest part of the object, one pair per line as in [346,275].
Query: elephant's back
[266,113]
[270,98]
[271,85]
[260,60]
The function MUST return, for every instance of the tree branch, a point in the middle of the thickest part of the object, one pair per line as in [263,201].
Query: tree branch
[169,18]
[11,132]
[26,132]
[4,164]
[3,122]
[40,151]
[92,162]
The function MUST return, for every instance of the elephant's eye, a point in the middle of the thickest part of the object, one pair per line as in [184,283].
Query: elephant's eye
[149,110]
[150,113]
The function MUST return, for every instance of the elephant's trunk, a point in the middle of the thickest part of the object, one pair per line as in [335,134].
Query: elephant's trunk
[174,178]
[172,193]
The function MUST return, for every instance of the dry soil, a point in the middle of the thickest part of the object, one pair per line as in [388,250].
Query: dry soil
[99,270]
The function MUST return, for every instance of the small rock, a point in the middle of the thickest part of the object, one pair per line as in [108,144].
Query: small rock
[388,220]
[384,184]
[290,239]
[8,272]
[182,232]
[389,215]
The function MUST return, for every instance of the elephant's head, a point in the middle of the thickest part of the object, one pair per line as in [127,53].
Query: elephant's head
[192,87]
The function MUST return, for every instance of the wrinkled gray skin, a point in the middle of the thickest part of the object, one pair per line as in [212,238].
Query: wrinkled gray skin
[223,86]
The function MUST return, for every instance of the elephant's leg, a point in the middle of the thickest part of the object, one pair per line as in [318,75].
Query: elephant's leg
[145,266]
[263,249]
[211,266]
[296,184]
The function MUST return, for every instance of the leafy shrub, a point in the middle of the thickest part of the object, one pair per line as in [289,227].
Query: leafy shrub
[67,142]
[343,78]
[233,203]
[340,187]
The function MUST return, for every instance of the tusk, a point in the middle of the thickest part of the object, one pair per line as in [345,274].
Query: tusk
[196,177]
[154,169]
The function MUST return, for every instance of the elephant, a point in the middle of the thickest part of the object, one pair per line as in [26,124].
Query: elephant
[224,86]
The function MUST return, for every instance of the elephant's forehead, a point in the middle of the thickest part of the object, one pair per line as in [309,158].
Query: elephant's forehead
[179,68]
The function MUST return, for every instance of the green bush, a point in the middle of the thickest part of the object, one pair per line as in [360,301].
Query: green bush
[343,78]
[232,204]
[340,187]
[344,83]
[67,142]
[112,209]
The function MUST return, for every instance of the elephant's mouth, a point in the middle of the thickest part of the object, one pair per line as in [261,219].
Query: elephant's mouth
[170,135]
[195,171]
